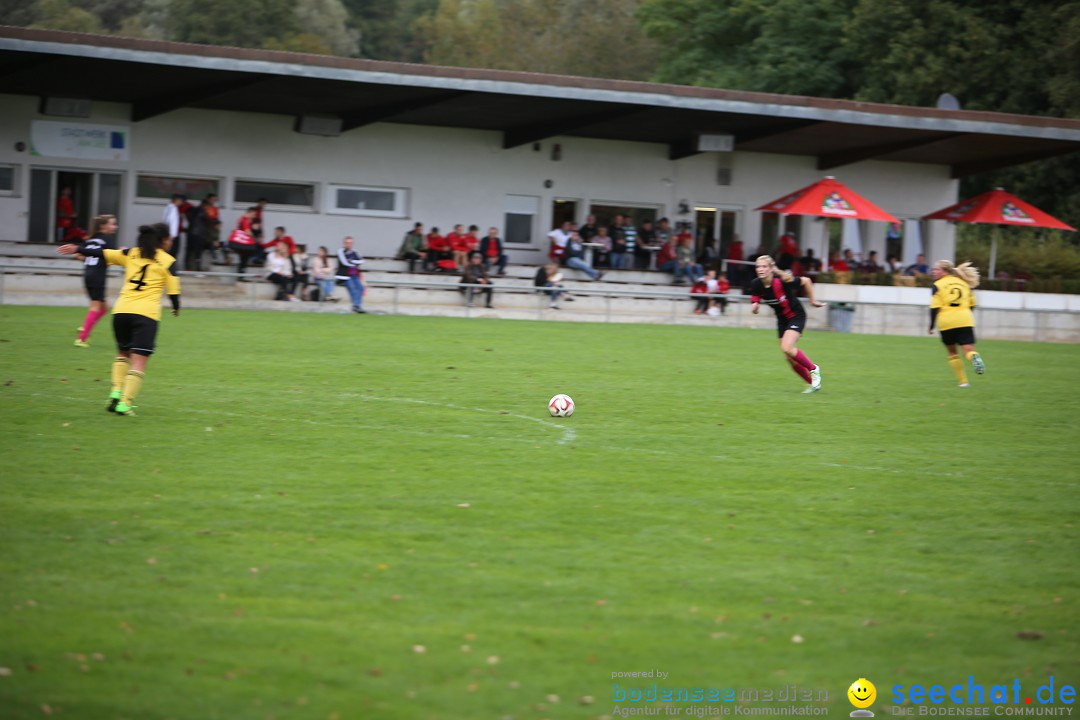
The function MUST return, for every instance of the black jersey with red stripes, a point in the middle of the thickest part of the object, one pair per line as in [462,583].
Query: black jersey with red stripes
[781,296]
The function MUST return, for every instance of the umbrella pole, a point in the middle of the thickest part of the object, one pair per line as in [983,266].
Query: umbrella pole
[993,250]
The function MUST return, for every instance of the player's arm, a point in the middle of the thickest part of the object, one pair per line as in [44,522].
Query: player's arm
[172,286]
[935,305]
[808,286]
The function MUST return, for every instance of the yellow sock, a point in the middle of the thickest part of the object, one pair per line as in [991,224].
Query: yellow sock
[957,366]
[132,383]
[120,368]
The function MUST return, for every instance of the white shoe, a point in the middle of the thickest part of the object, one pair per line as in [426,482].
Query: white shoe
[811,389]
[964,385]
[815,378]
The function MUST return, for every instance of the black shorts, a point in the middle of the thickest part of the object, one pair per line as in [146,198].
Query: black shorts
[797,323]
[135,333]
[959,336]
[96,291]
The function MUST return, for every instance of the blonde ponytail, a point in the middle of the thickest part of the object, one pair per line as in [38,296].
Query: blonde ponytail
[965,271]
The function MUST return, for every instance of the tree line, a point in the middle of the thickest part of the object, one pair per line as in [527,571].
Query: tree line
[1010,56]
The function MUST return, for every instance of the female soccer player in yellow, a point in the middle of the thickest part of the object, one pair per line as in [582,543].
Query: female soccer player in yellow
[148,274]
[950,308]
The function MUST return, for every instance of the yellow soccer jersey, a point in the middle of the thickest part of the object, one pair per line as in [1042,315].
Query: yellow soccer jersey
[144,281]
[954,300]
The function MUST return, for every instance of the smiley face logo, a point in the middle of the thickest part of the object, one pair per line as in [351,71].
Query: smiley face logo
[862,693]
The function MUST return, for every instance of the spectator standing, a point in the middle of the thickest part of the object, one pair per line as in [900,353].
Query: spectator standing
[603,253]
[65,214]
[414,247]
[348,269]
[735,271]
[789,250]
[645,246]
[622,244]
[196,236]
[476,274]
[171,218]
[257,228]
[491,249]
[589,230]
[213,227]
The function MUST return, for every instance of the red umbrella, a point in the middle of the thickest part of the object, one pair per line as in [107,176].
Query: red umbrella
[828,198]
[998,207]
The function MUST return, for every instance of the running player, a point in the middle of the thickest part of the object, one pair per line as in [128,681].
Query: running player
[147,275]
[95,271]
[778,289]
[950,308]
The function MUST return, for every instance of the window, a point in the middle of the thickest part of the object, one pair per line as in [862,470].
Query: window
[163,187]
[380,202]
[7,179]
[249,192]
[519,219]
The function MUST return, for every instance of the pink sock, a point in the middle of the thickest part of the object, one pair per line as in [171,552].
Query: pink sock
[803,360]
[87,323]
[799,370]
[92,317]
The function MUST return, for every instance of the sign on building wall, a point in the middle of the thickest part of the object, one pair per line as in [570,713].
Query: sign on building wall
[49,138]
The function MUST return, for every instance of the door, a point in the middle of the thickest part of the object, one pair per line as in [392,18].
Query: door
[91,193]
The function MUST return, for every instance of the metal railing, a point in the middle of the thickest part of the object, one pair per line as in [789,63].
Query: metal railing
[1042,327]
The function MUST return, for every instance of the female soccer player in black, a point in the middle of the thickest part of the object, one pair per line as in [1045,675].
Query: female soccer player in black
[102,235]
[778,288]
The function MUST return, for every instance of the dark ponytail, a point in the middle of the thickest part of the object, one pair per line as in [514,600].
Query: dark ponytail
[150,237]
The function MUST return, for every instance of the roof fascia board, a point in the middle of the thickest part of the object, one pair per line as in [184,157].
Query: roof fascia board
[510,87]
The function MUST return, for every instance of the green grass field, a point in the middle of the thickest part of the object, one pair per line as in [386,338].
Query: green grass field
[319,516]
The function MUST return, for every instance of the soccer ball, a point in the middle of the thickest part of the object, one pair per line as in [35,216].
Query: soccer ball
[561,406]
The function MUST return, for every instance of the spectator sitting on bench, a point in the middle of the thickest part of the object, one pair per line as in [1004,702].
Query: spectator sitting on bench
[575,257]
[549,279]
[476,274]
[280,272]
[322,270]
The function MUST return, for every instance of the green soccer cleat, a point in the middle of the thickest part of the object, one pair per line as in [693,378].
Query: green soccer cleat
[122,409]
[81,343]
[114,400]
[977,363]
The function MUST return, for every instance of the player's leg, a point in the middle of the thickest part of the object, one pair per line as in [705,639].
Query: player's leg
[968,346]
[797,356]
[143,340]
[957,366]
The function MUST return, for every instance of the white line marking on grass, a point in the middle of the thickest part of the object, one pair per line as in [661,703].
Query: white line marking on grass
[898,471]
[569,433]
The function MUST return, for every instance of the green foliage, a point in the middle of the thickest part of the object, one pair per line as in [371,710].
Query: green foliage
[305,501]
[1041,255]
[600,38]
[61,15]
[388,29]
[782,46]
[240,23]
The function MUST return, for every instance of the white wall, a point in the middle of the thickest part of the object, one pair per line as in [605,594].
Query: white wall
[453,175]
